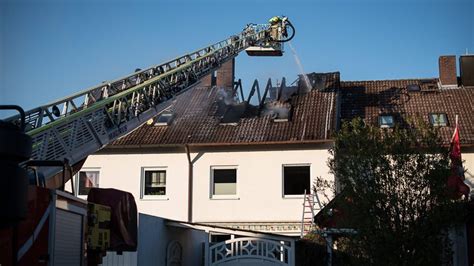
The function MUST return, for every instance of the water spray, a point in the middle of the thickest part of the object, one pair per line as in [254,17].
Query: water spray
[306,80]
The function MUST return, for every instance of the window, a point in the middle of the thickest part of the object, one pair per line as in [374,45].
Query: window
[224,181]
[296,179]
[153,183]
[87,179]
[413,87]
[386,121]
[438,119]
[164,119]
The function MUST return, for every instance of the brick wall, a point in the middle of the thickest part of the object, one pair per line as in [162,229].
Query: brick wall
[207,81]
[447,70]
[225,74]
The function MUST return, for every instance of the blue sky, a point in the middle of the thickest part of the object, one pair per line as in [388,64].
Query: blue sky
[49,49]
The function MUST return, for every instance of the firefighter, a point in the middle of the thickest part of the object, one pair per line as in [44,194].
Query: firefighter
[275,23]
[275,20]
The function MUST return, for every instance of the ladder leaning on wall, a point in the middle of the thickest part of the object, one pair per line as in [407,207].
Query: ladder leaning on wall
[311,204]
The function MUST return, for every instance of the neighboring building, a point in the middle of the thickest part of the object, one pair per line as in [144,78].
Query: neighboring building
[386,103]
[435,101]
[212,159]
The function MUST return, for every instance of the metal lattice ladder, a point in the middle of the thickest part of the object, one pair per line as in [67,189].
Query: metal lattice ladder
[81,124]
[311,205]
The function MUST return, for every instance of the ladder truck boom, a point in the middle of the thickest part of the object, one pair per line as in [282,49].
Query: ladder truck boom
[80,124]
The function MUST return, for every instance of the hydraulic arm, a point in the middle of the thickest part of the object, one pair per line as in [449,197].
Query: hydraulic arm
[78,125]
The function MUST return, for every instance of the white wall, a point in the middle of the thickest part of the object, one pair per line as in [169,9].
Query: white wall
[124,172]
[152,240]
[192,242]
[259,183]
[113,259]
[154,237]
[468,157]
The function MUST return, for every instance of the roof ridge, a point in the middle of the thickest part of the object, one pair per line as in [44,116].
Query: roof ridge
[389,80]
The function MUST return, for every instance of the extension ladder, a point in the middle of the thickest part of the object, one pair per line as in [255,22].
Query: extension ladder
[311,204]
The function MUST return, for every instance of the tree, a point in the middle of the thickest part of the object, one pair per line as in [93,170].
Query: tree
[395,194]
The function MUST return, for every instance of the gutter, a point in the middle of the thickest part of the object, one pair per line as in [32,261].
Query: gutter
[223,144]
[190,184]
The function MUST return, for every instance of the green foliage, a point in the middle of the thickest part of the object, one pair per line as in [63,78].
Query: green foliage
[312,251]
[395,194]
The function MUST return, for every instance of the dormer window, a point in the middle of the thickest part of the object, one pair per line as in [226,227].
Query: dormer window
[280,120]
[438,119]
[413,88]
[164,119]
[386,121]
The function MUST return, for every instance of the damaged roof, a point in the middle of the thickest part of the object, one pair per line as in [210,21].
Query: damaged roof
[400,98]
[198,115]
[196,121]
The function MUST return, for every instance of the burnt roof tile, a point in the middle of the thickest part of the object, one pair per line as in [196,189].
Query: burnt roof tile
[195,122]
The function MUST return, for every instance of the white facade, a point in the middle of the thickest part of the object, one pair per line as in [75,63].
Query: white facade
[468,158]
[168,242]
[259,202]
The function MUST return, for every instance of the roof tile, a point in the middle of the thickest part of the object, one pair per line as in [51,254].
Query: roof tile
[369,99]
[196,122]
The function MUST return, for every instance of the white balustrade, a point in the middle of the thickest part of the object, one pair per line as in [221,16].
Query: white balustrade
[248,248]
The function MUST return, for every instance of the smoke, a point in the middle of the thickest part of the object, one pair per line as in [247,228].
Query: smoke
[231,110]
[226,96]
[277,110]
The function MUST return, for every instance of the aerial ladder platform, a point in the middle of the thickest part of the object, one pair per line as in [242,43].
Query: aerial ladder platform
[46,141]
[80,124]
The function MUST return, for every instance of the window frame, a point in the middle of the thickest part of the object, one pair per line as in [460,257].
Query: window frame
[211,183]
[76,179]
[170,117]
[432,122]
[381,125]
[142,183]
[299,196]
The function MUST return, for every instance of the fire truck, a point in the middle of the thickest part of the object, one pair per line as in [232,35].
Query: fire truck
[43,148]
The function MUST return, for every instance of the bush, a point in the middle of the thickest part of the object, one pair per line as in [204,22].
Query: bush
[395,194]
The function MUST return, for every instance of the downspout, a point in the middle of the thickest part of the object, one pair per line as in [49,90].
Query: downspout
[190,184]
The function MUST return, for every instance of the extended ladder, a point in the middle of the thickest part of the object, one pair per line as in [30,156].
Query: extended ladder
[311,204]
[81,124]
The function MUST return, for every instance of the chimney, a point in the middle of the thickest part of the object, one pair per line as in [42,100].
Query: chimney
[222,77]
[447,70]
[209,80]
[466,68]
[225,75]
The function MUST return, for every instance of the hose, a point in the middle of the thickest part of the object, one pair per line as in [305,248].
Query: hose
[292,35]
